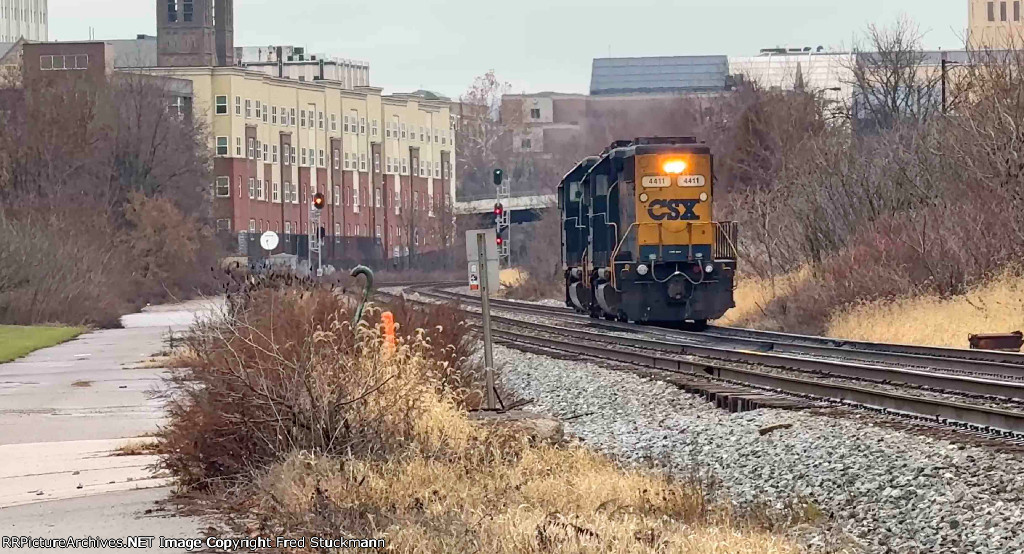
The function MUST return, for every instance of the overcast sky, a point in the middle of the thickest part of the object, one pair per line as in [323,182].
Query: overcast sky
[536,45]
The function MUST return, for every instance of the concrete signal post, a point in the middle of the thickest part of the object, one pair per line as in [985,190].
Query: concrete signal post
[482,255]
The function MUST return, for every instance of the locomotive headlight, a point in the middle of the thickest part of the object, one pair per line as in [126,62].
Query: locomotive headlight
[709,268]
[644,197]
[703,197]
[642,269]
[674,167]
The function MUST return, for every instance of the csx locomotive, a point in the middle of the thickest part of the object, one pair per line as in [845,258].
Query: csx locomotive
[639,240]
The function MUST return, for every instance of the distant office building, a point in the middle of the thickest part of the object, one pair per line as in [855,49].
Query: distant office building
[674,74]
[23,19]
[292,62]
[995,24]
[138,52]
[813,70]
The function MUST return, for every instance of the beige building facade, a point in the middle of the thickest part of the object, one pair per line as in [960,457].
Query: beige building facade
[997,24]
[385,163]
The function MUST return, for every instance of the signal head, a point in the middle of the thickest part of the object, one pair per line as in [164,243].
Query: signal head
[499,209]
[319,201]
[499,177]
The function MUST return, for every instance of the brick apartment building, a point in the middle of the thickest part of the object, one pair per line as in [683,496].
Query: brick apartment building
[384,162]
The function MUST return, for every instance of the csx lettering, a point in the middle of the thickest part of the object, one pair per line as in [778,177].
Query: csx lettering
[673,210]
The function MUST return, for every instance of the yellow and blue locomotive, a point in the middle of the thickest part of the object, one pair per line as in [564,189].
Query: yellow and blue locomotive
[639,239]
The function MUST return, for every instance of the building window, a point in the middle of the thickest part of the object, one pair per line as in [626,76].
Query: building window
[252,188]
[273,115]
[1016,10]
[62,63]
[437,169]
[222,146]
[344,124]
[172,11]
[224,225]
[405,166]
[248,108]
[222,105]
[252,149]
[355,199]
[302,118]
[303,156]
[273,154]
[238,105]
[348,162]
[322,162]
[378,231]
[403,131]
[362,125]
[223,187]
[376,163]
[374,127]
[259,190]
[377,198]
[337,160]
[259,110]
[337,196]
[293,155]
[1002,11]
[292,116]
[287,229]
[238,146]
[362,162]
[535,113]
[334,122]
[991,11]
[266,153]
[276,193]
[527,144]
[187,11]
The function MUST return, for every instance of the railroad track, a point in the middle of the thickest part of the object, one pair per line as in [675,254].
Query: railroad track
[854,374]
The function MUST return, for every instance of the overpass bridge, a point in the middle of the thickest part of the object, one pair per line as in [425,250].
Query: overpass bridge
[522,209]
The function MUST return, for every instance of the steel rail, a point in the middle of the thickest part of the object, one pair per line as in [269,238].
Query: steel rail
[954,360]
[981,418]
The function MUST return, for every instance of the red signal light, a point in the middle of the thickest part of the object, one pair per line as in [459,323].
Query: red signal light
[500,241]
[319,201]
[499,209]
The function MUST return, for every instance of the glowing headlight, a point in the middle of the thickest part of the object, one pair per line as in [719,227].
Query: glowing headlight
[644,197]
[642,269]
[709,268]
[703,197]
[674,167]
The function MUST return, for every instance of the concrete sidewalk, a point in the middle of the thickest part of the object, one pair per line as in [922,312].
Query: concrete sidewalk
[64,413]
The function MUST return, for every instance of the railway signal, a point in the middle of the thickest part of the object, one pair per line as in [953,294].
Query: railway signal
[502,218]
[319,201]
[499,177]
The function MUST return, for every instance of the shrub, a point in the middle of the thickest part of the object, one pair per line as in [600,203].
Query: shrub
[285,370]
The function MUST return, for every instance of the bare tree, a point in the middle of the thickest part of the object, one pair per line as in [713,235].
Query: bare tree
[891,81]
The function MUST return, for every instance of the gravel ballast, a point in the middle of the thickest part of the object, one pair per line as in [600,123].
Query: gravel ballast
[894,491]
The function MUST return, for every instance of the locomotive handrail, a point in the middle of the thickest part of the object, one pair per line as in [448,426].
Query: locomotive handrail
[661,243]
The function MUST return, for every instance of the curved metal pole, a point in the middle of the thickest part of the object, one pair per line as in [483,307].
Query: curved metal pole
[367,290]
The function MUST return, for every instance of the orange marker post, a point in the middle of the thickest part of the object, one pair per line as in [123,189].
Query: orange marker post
[388,321]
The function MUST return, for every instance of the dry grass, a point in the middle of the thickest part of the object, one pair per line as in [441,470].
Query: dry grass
[997,307]
[542,499]
[755,295]
[138,448]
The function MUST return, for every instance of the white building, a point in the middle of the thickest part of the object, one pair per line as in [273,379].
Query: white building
[292,62]
[23,19]
[829,73]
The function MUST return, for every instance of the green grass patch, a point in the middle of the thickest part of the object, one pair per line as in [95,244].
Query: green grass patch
[17,341]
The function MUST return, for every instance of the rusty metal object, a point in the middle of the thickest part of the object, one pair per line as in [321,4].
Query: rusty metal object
[1006,342]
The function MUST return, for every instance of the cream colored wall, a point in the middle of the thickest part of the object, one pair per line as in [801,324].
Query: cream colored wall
[994,34]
